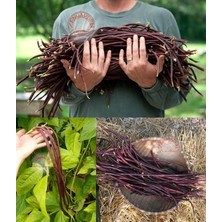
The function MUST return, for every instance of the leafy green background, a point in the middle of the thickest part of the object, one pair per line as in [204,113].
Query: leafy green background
[37,197]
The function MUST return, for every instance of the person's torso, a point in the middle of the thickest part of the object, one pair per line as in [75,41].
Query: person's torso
[89,16]
[125,100]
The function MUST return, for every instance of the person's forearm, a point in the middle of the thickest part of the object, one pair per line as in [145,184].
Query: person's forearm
[19,161]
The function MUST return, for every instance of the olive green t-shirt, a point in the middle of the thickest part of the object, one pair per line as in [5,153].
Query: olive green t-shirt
[127,98]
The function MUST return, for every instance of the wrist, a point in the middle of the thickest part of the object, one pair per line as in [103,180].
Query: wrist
[19,160]
[20,157]
[84,89]
[148,84]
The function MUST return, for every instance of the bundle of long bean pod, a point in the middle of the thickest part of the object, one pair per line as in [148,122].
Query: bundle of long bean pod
[121,164]
[52,144]
[52,81]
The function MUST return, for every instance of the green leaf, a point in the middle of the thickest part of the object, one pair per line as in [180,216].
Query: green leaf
[77,145]
[28,179]
[77,188]
[93,218]
[91,208]
[69,161]
[89,129]
[21,203]
[29,123]
[45,220]
[37,121]
[26,163]
[88,214]
[51,121]
[32,201]
[79,204]
[93,173]
[93,144]
[21,217]
[89,186]
[89,163]
[35,216]
[81,216]
[78,123]
[33,122]
[52,202]
[60,217]
[72,142]
[39,192]
[69,138]
[23,123]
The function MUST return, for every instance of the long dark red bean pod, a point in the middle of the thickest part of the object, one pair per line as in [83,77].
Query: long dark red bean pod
[51,78]
[52,144]
[120,164]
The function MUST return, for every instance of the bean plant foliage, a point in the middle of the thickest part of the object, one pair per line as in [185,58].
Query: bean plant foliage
[37,192]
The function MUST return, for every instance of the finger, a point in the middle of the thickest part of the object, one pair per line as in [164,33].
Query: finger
[94,53]
[129,55]
[135,47]
[142,50]
[20,132]
[69,71]
[107,62]
[86,53]
[121,61]
[41,145]
[65,64]
[33,133]
[101,55]
[40,140]
[38,137]
[160,63]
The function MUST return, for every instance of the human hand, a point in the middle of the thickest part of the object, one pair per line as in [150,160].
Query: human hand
[95,66]
[26,144]
[138,68]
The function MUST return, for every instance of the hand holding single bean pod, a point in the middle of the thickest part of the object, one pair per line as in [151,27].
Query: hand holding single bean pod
[52,144]
[52,80]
